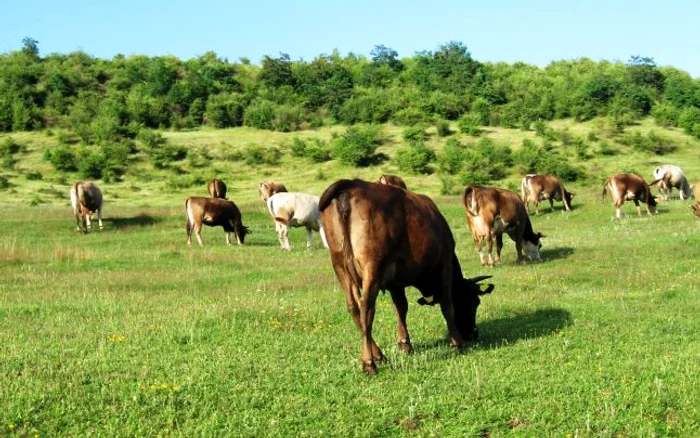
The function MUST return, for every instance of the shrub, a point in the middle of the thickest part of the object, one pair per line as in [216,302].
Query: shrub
[581,148]
[33,176]
[10,147]
[298,147]
[410,116]
[443,128]
[415,158]
[4,182]
[62,158]
[260,114]
[318,152]
[470,124]
[415,133]
[185,181]
[357,146]
[665,114]
[258,155]
[606,150]
[651,143]
[689,119]
[288,118]
[452,158]
[92,165]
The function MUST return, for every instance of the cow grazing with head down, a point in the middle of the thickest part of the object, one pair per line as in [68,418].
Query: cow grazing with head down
[86,200]
[293,209]
[269,188]
[669,177]
[213,212]
[384,238]
[629,187]
[540,187]
[490,212]
[217,188]
[393,180]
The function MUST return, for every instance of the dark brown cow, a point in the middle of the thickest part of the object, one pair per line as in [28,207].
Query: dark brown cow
[217,188]
[393,180]
[86,200]
[269,188]
[214,212]
[490,212]
[629,187]
[381,237]
[540,187]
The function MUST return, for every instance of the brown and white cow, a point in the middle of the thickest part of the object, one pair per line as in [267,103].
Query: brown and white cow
[269,188]
[385,238]
[217,188]
[696,209]
[393,180]
[669,177]
[86,200]
[490,212]
[539,187]
[213,212]
[629,187]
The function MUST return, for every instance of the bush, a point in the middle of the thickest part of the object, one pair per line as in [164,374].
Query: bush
[410,116]
[10,147]
[4,182]
[470,124]
[33,176]
[415,133]
[185,181]
[443,128]
[318,152]
[92,165]
[651,143]
[357,146]
[260,114]
[288,118]
[606,150]
[298,147]
[415,158]
[452,158]
[581,148]
[62,158]
[258,155]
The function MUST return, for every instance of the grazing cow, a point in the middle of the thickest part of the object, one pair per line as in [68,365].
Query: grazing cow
[671,177]
[293,209]
[269,188]
[540,187]
[213,212]
[696,209]
[217,188]
[490,212]
[696,191]
[86,200]
[629,187]
[393,180]
[384,238]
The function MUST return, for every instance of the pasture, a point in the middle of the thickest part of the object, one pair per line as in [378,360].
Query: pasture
[129,332]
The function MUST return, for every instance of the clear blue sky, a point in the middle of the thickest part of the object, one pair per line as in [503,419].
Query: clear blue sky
[535,32]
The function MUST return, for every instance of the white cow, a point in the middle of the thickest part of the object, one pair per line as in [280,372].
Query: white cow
[86,200]
[669,177]
[293,209]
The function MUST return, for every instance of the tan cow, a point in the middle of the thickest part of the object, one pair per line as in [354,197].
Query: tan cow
[490,212]
[629,187]
[393,180]
[213,212]
[540,187]
[86,200]
[269,188]
[696,209]
[382,237]
[217,188]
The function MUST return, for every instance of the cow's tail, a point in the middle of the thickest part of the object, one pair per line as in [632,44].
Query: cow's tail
[469,200]
[605,187]
[188,214]
[523,187]
[74,198]
[338,191]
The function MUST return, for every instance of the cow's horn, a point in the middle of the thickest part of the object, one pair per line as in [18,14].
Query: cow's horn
[480,278]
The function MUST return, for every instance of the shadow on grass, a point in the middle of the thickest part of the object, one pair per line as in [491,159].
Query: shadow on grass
[141,220]
[561,252]
[542,322]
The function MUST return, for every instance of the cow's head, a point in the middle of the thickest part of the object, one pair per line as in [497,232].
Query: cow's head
[696,209]
[265,190]
[569,196]
[465,297]
[531,249]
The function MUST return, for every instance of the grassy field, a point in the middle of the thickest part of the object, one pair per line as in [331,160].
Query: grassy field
[129,332]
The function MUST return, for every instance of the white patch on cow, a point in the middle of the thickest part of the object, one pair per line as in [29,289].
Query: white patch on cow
[531,251]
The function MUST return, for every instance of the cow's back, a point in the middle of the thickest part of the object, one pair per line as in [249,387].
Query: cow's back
[86,195]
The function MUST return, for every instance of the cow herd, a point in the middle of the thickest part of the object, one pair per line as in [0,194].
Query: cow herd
[383,236]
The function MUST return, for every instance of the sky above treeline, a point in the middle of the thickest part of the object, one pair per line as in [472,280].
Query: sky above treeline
[534,32]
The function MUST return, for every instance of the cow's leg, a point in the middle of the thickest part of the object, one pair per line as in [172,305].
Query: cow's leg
[88,222]
[447,308]
[99,217]
[308,237]
[479,243]
[398,296]
[489,248]
[283,231]
[551,205]
[499,246]
[198,232]
[370,351]
[639,209]
[188,229]
[228,237]
[239,231]
[536,201]
[618,209]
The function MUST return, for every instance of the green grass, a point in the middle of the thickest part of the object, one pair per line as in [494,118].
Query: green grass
[128,332]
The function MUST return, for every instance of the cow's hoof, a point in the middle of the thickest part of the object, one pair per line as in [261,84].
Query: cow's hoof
[369,368]
[406,347]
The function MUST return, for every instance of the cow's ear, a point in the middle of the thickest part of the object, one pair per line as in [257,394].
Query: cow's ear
[540,235]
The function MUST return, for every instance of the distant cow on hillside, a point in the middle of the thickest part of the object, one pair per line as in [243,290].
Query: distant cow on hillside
[213,212]
[217,188]
[385,238]
[393,180]
[86,200]
[536,188]
[490,212]
[669,177]
[629,187]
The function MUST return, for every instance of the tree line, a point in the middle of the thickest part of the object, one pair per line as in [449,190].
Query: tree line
[103,100]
